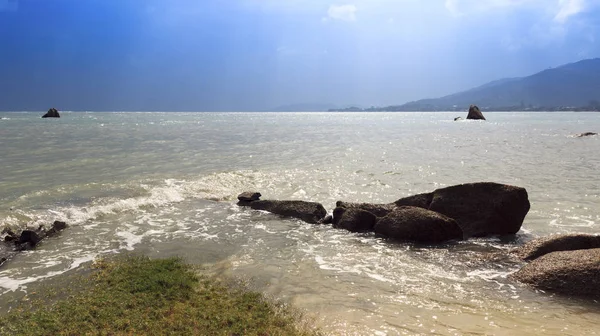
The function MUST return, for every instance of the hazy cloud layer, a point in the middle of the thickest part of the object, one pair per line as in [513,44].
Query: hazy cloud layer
[256,54]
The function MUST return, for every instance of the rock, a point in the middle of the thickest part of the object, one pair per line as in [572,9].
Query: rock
[326,220]
[354,219]
[249,196]
[457,118]
[57,226]
[586,134]
[481,209]
[52,113]
[418,225]
[30,237]
[379,210]
[419,201]
[567,242]
[309,212]
[575,273]
[475,113]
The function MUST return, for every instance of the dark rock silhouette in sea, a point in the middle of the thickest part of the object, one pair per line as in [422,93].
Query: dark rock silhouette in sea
[52,113]
[565,242]
[354,219]
[573,273]
[475,113]
[309,212]
[248,196]
[418,225]
[457,118]
[481,209]
[26,239]
[586,134]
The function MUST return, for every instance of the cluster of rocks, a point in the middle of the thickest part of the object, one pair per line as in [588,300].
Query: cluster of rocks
[52,113]
[26,239]
[453,213]
[567,264]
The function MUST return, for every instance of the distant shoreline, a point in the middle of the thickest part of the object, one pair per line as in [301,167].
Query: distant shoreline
[332,111]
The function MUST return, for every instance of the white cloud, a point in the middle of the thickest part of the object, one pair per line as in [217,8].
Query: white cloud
[343,12]
[568,8]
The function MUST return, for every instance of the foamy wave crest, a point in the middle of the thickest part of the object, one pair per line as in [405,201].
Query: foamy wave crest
[214,187]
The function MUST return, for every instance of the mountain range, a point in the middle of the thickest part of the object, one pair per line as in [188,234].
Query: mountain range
[574,86]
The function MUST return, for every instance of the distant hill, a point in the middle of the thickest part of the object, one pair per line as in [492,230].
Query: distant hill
[575,86]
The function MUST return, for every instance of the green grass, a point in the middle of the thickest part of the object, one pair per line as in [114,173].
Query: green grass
[140,296]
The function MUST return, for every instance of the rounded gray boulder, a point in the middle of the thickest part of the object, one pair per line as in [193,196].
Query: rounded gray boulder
[573,273]
[418,225]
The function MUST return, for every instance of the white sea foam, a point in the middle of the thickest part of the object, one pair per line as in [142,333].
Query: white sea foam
[14,284]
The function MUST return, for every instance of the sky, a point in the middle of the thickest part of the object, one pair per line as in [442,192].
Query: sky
[241,55]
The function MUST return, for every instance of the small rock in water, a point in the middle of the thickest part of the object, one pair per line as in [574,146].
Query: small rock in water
[475,113]
[457,118]
[586,134]
[249,196]
[52,113]
[57,226]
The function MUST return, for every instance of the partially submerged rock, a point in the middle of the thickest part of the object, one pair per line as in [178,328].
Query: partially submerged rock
[575,273]
[379,210]
[418,225]
[586,134]
[481,209]
[26,240]
[52,113]
[249,196]
[354,219]
[566,242]
[309,212]
[475,113]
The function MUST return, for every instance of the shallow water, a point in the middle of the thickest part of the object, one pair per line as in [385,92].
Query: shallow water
[165,184]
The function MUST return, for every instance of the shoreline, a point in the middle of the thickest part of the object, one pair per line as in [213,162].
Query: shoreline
[128,294]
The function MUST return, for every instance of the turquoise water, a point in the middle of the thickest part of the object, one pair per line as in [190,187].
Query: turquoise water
[165,184]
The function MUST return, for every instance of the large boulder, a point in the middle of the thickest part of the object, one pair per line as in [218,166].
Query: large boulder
[354,219]
[475,113]
[566,242]
[309,212]
[418,225]
[379,210]
[575,273]
[481,209]
[52,113]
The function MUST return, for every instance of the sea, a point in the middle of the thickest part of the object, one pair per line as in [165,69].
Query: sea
[165,184]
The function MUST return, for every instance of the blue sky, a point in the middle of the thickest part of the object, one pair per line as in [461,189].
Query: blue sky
[214,55]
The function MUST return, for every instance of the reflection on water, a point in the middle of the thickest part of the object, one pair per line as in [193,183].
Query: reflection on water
[164,184]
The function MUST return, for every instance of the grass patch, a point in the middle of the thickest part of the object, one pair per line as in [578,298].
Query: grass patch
[131,295]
